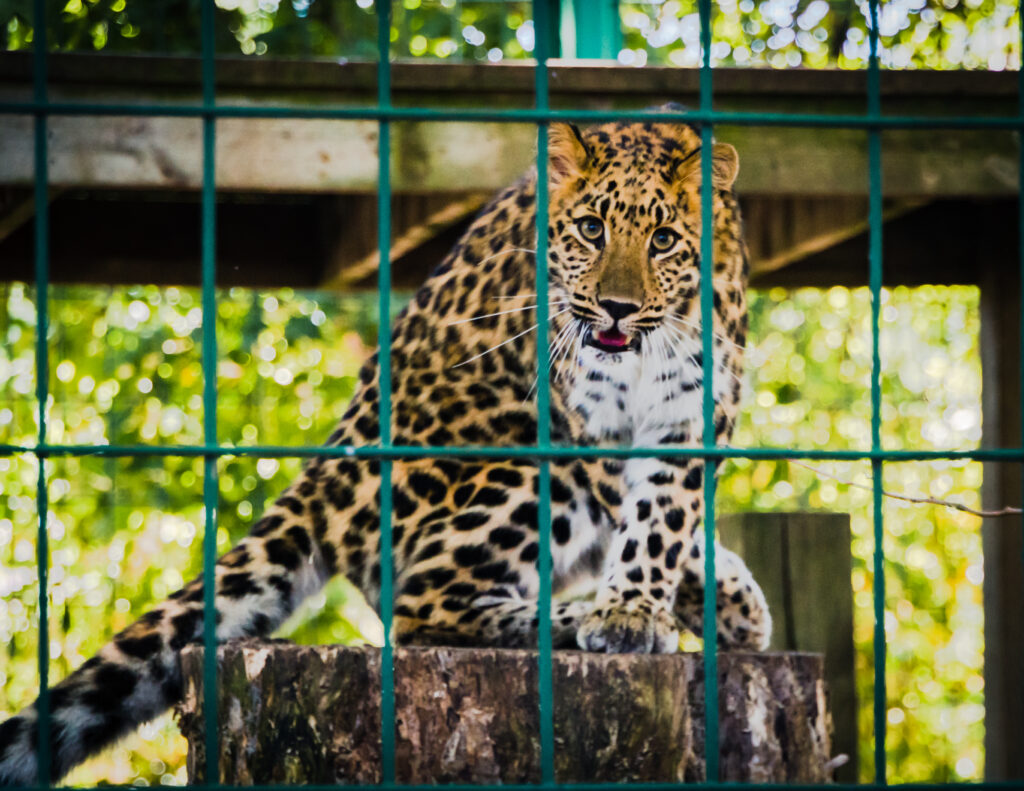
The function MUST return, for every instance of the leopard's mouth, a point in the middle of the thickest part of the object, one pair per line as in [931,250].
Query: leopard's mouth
[612,340]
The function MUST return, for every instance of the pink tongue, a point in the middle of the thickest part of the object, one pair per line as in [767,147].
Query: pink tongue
[611,338]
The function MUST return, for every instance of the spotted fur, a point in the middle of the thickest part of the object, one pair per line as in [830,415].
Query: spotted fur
[624,242]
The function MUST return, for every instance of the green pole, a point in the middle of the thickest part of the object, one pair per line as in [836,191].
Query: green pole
[42,262]
[707,313]
[209,361]
[387,680]
[875,282]
[591,29]
[546,29]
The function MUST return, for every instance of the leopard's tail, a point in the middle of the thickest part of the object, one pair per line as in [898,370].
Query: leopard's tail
[137,675]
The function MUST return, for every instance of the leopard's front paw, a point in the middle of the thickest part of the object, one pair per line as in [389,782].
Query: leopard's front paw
[629,629]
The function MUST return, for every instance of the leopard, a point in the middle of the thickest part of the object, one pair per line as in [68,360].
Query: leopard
[626,370]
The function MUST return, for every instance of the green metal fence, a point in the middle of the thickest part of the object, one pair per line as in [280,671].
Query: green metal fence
[544,452]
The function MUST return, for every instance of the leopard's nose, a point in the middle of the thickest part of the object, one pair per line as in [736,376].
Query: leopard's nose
[618,310]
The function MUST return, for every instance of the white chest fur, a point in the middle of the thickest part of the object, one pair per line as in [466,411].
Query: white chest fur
[639,398]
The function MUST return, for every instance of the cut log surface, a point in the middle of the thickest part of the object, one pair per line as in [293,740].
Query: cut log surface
[311,714]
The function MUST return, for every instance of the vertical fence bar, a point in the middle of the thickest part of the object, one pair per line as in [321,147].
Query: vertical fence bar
[42,265]
[210,477]
[598,32]
[875,285]
[1020,250]
[545,692]
[387,669]
[707,305]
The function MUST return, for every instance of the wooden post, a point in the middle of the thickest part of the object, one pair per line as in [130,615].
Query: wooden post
[803,563]
[1002,538]
[311,714]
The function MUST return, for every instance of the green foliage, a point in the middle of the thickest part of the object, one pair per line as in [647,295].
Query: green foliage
[929,34]
[809,369]
[974,34]
[124,533]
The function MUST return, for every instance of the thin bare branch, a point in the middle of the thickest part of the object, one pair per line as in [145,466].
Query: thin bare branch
[1007,511]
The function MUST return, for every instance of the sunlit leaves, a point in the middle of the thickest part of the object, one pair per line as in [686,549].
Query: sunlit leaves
[126,368]
[809,367]
[977,34]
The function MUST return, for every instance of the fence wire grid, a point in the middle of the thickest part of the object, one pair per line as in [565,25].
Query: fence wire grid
[386,452]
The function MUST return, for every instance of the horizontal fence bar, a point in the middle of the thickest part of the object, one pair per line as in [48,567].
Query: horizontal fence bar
[664,786]
[520,452]
[524,115]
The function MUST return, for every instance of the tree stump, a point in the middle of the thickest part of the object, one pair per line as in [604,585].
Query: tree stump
[311,714]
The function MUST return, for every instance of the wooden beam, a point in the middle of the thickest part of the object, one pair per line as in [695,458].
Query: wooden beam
[323,156]
[914,251]
[316,155]
[947,92]
[785,230]
[344,273]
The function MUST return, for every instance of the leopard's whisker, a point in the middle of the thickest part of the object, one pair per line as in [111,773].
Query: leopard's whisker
[579,344]
[679,342]
[507,340]
[578,328]
[682,337]
[556,347]
[563,336]
[653,351]
[501,313]
[695,326]
[506,251]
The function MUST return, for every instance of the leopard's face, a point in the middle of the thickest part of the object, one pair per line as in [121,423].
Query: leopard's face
[624,239]
[624,245]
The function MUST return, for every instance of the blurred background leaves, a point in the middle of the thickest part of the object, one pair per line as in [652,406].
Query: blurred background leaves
[933,34]
[126,532]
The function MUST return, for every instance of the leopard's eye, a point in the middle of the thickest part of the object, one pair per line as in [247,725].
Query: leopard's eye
[663,239]
[591,229]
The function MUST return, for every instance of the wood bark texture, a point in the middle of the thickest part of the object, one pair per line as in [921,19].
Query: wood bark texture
[311,714]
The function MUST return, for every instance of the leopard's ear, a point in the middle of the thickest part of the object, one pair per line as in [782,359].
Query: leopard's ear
[568,152]
[725,166]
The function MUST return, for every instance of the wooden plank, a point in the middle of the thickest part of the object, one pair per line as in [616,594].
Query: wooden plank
[803,563]
[275,155]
